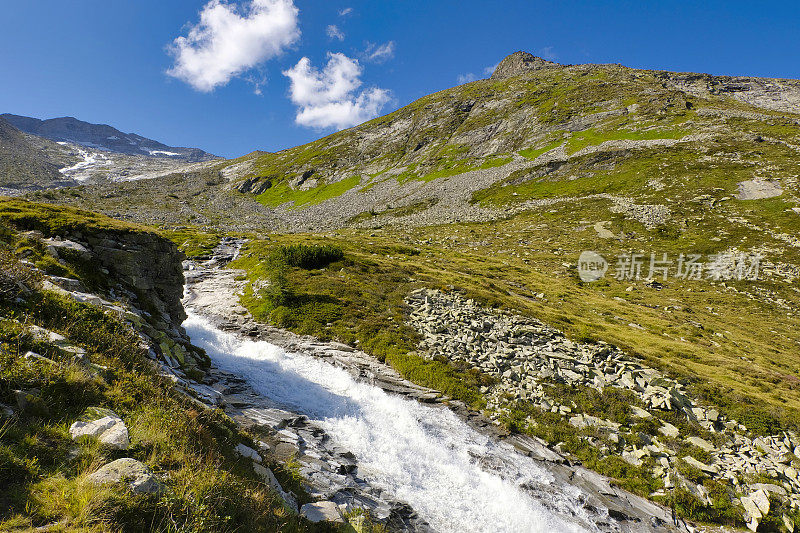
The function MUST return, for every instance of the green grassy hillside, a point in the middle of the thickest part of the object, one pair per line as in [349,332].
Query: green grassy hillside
[487,122]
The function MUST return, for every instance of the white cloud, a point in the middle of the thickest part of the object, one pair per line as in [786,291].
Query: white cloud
[379,53]
[341,115]
[328,99]
[257,81]
[346,11]
[229,41]
[488,71]
[466,78]
[336,82]
[333,32]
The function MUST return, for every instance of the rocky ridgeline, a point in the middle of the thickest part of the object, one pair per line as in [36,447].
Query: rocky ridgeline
[526,355]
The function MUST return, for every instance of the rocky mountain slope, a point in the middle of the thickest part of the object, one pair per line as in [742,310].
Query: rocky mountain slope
[533,132]
[461,153]
[28,162]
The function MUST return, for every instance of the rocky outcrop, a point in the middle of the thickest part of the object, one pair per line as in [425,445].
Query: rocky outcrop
[141,267]
[142,270]
[255,185]
[519,63]
[127,270]
[775,94]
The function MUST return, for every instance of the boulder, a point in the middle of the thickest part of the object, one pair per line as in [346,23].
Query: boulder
[761,499]
[30,401]
[750,508]
[104,425]
[769,487]
[132,473]
[326,511]
[700,443]
[709,469]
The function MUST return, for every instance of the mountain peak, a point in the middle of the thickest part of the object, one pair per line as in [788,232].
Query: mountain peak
[520,63]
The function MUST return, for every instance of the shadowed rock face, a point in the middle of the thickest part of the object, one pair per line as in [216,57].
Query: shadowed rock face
[141,270]
[520,63]
[139,267]
[146,268]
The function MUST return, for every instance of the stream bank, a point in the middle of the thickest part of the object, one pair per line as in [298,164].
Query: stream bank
[306,397]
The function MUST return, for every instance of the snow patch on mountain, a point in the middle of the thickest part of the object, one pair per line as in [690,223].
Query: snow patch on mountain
[90,159]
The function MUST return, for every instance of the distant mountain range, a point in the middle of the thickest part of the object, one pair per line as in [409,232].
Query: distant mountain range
[103,137]
[37,154]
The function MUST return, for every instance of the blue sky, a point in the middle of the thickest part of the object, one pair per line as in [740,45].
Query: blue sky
[238,82]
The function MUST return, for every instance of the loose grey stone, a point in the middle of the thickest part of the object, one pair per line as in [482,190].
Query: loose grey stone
[104,425]
[700,443]
[710,469]
[668,430]
[250,453]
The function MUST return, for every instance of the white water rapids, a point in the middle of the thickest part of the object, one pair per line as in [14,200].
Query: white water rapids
[421,454]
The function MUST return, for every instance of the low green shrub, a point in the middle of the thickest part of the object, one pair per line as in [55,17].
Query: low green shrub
[306,256]
[721,510]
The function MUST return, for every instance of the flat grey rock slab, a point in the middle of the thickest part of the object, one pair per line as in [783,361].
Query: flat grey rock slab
[322,512]
[757,189]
